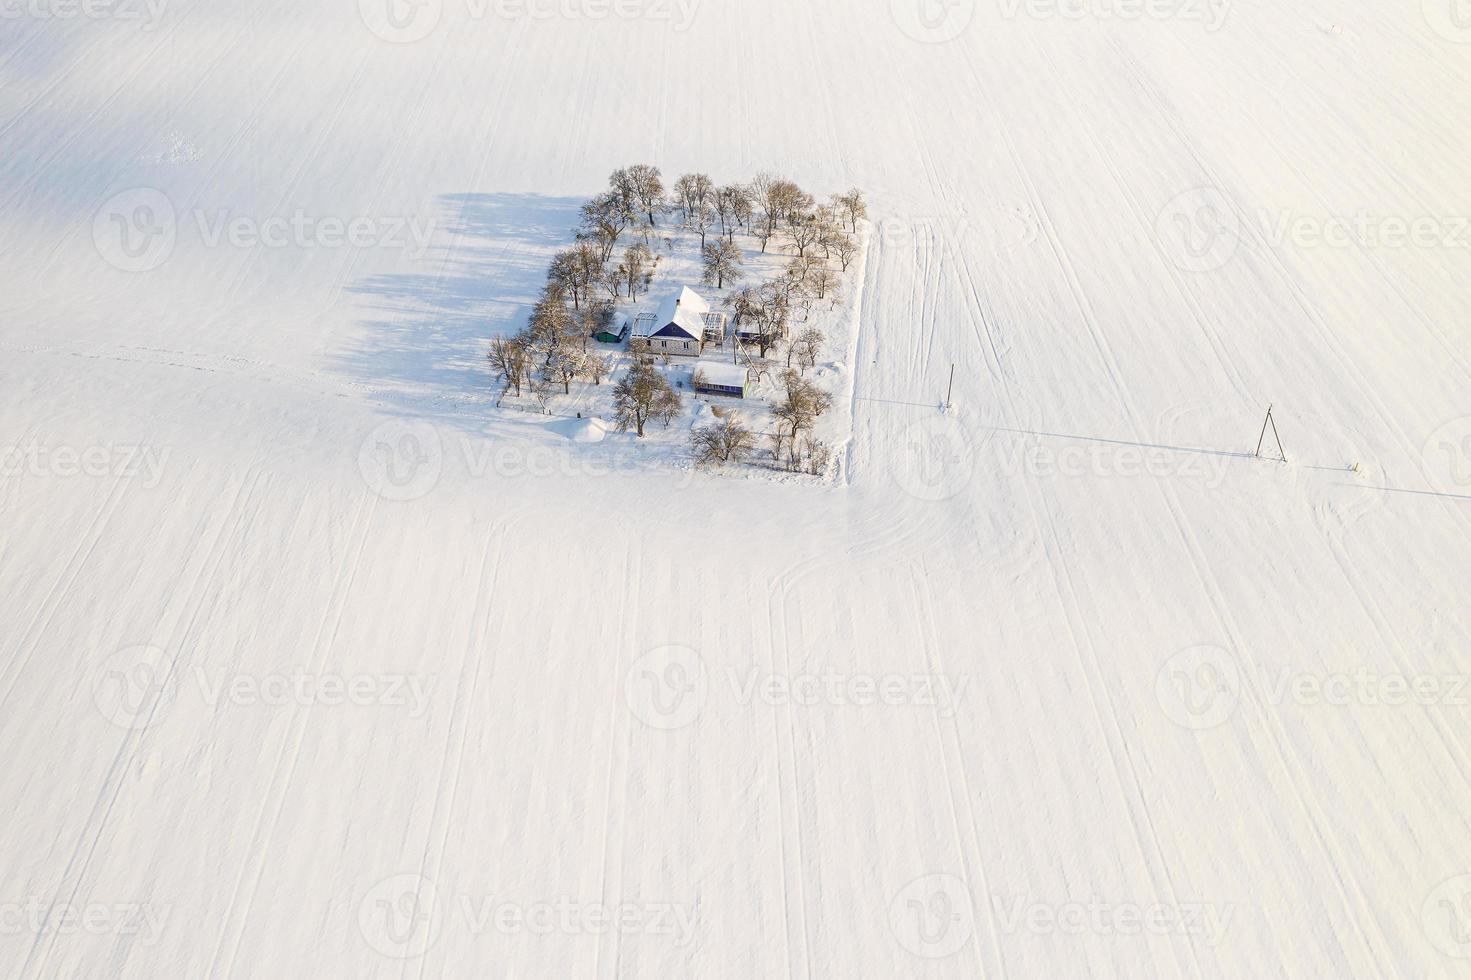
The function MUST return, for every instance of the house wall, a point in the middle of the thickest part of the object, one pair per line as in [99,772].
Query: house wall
[674,347]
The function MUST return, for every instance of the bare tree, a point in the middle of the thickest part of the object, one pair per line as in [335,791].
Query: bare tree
[701,220]
[604,220]
[597,368]
[643,395]
[846,249]
[692,193]
[509,356]
[636,270]
[550,319]
[853,206]
[642,189]
[725,441]
[803,404]
[821,280]
[722,263]
[733,207]
[806,231]
[576,271]
[808,346]
[813,456]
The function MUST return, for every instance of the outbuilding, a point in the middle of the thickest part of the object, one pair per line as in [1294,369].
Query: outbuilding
[719,378]
[615,331]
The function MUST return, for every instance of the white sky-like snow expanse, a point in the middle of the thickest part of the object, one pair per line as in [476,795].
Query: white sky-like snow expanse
[315,663]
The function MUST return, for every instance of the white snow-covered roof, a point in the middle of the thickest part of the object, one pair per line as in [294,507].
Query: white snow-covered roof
[619,321]
[722,373]
[686,310]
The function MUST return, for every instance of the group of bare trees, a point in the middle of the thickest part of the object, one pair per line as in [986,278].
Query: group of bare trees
[613,259]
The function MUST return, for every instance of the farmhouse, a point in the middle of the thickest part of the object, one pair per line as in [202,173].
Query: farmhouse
[615,331]
[678,329]
[720,379]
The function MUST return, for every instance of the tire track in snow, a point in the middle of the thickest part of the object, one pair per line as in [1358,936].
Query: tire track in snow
[113,781]
[20,656]
[799,947]
[284,768]
[1286,754]
[615,807]
[431,864]
[952,759]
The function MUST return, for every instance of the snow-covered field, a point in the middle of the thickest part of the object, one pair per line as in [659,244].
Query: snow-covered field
[313,663]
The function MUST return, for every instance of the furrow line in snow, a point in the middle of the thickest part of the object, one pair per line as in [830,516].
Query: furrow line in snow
[19,657]
[283,770]
[477,651]
[615,807]
[952,760]
[177,648]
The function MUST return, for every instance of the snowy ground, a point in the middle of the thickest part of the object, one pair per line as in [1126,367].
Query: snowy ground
[1060,684]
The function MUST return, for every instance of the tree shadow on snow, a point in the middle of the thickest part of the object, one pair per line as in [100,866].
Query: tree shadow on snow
[429,330]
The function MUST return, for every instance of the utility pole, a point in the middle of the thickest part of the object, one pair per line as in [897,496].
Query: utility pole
[1269,421]
[950,390]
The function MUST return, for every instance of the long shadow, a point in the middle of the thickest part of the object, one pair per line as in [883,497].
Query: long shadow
[429,330]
